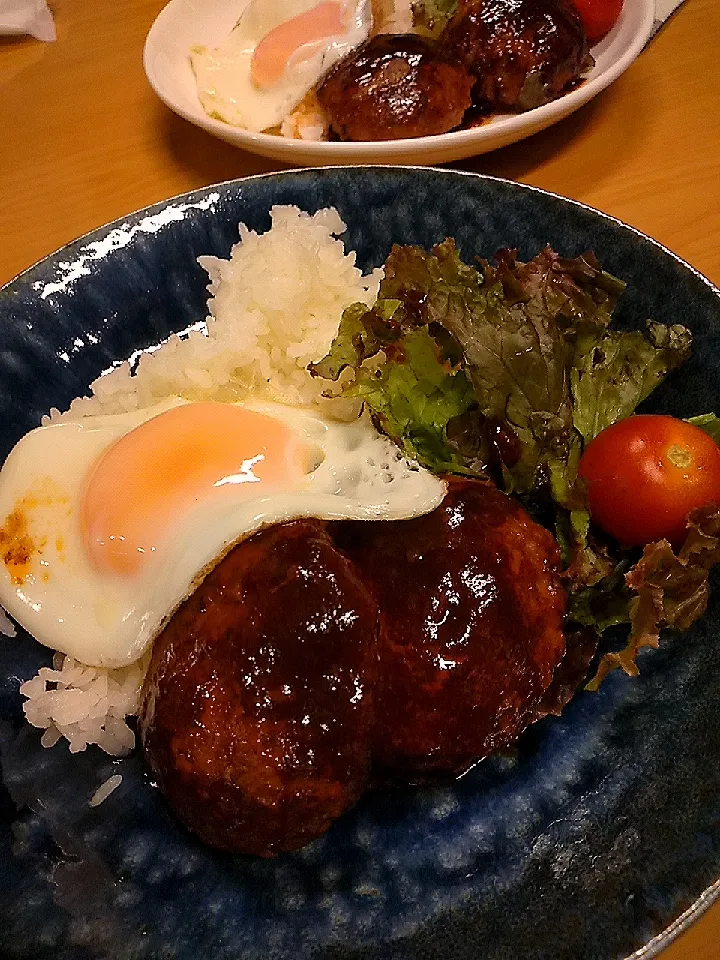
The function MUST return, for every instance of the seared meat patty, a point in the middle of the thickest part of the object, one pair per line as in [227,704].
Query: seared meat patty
[522,53]
[257,713]
[314,649]
[471,614]
[394,86]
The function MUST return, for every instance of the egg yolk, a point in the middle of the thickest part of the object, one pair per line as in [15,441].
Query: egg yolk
[164,468]
[273,52]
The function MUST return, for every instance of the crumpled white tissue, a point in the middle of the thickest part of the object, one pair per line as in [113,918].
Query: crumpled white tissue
[27,16]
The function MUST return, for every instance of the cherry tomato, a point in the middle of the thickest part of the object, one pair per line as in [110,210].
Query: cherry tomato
[645,474]
[598,16]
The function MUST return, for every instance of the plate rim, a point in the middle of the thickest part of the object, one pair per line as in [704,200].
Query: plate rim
[711,894]
[456,143]
[662,940]
[329,168]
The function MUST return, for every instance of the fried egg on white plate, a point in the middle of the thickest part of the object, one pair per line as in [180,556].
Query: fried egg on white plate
[277,52]
[108,523]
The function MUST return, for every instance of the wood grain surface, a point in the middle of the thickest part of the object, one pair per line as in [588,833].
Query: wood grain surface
[83,140]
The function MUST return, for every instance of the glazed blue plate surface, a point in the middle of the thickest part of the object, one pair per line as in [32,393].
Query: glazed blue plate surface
[598,831]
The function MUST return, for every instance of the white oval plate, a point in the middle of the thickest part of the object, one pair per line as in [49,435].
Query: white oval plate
[183,24]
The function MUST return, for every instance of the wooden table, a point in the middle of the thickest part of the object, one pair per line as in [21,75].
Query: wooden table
[84,140]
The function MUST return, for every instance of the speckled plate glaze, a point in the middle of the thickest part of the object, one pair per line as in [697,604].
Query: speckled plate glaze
[590,839]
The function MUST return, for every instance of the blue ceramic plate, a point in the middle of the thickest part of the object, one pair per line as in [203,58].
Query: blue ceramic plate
[598,832]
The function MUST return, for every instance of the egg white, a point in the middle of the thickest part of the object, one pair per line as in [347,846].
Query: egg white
[110,620]
[224,83]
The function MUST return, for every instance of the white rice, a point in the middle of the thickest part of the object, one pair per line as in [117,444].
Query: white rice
[85,704]
[105,789]
[308,121]
[275,306]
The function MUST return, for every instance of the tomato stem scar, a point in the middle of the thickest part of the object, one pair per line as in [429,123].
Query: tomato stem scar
[680,457]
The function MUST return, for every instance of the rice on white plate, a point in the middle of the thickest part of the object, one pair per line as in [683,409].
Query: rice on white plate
[275,306]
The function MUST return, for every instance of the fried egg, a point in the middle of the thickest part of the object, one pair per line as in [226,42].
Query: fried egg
[108,523]
[276,53]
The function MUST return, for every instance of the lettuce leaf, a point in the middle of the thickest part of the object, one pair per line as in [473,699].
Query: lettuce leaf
[362,334]
[415,399]
[670,590]
[605,603]
[418,289]
[417,391]
[508,370]
[497,329]
[577,292]
[519,341]
[515,357]
[432,16]
[581,644]
[505,370]
[620,370]
[709,423]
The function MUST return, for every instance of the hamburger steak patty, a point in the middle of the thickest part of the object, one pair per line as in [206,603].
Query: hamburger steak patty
[256,717]
[394,86]
[315,649]
[522,53]
[471,626]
